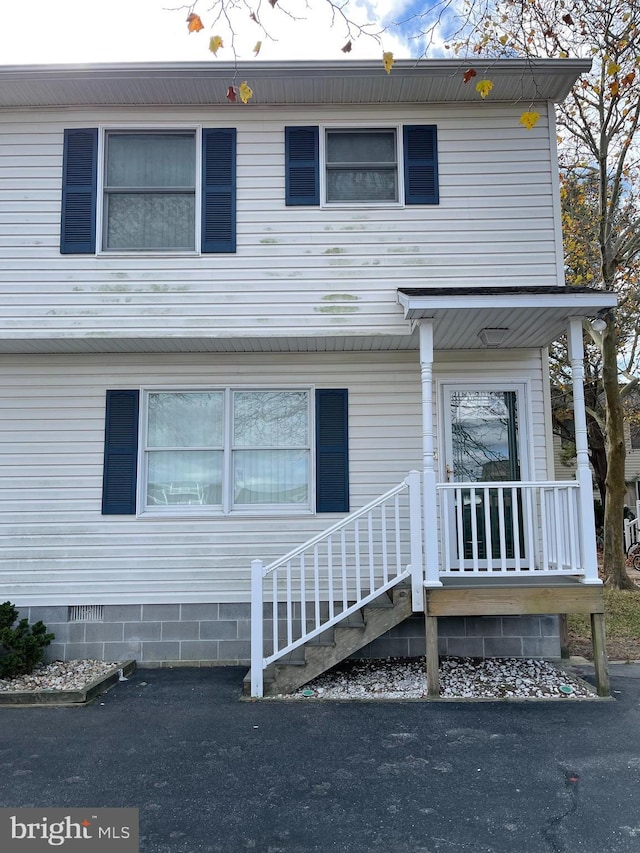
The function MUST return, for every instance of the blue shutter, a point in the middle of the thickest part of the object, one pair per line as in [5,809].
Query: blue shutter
[120,453]
[302,166]
[332,450]
[421,164]
[79,187]
[218,190]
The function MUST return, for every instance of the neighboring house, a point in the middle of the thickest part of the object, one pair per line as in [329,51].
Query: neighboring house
[223,328]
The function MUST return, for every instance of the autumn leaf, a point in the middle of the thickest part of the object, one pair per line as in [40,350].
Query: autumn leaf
[529,119]
[628,79]
[612,68]
[195,23]
[256,48]
[215,43]
[253,17]
[503,40]
[245,92]
[567,19]
[387,61]
[483,87]
[231,94]
[347,47]
[469,74]
[614,88]
[272,3]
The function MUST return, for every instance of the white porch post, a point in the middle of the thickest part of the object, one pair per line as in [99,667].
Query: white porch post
[430,504]
[583,474]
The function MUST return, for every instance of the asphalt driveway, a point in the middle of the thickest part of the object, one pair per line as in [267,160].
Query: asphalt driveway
[211,773]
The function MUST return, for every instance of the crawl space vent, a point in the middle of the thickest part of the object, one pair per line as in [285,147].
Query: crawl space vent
[86,613]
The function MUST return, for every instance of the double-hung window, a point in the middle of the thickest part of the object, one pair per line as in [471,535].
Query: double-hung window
[228,449]
[361,165]
[149,191]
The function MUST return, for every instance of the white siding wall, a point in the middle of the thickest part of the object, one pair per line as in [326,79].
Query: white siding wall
[297,270]
[56,547]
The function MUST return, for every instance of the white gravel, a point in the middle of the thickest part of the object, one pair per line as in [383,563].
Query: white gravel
[59,675]
[460,678]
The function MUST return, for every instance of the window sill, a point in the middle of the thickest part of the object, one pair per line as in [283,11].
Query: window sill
[143,253]
[199,514]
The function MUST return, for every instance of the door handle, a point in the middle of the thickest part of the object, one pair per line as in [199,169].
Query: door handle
[449,472]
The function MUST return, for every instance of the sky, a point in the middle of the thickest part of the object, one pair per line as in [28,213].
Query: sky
[68,31]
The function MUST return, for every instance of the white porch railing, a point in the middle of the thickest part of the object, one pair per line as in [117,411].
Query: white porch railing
[632,530]
[512,527]
[335,573]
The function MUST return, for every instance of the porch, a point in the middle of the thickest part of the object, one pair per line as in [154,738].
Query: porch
[447,538]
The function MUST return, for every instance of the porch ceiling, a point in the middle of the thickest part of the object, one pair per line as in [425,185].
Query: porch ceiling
[531,317]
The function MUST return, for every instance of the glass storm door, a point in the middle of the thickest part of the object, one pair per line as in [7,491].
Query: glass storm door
[482,445]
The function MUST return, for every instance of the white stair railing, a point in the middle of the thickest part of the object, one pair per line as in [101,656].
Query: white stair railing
[632,530]
[334,574]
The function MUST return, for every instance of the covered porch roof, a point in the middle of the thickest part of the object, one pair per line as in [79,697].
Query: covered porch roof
[514,316]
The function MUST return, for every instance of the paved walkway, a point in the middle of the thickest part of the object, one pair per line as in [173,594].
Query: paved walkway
[211,773]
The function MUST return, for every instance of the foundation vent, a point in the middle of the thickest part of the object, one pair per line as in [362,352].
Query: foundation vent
[86,613]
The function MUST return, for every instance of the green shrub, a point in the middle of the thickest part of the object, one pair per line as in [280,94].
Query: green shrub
[21,645]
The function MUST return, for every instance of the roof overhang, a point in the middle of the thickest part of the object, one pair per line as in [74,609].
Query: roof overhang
[286,83]
[474,318]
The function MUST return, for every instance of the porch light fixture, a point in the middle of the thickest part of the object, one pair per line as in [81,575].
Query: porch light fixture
[599,324]
[492,337]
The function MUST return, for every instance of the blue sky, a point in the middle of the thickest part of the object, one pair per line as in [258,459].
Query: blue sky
[52,31]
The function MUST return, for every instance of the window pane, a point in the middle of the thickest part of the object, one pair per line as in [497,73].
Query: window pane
[150,221]
[191,419]
[361,185]
[270,419]
[184,477]
[151,160]
[271,477]
[368,147]
[484,436]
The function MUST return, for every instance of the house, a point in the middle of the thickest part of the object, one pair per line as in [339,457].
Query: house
[293,350]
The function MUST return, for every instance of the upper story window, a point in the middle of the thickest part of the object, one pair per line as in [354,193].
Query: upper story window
[361,166]
[161,190]
[149,191]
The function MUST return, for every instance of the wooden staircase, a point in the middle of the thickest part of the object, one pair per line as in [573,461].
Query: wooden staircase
[334,645]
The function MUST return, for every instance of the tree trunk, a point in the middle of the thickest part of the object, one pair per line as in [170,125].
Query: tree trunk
[614,562]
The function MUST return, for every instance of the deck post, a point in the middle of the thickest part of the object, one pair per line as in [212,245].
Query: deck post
[415,527]
[430,502]
[583,474]
[257,629]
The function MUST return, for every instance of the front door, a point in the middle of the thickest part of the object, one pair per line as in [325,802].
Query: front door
[483,445]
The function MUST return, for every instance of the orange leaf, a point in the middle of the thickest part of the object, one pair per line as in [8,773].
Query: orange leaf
[628,79]
[468,74]
[195,23]
[614,88]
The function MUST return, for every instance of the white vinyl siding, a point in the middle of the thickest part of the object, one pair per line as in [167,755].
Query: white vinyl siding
[57,548]
[297,271]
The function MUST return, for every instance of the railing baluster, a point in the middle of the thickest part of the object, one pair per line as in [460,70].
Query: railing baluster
[343,554]
[445,526]
[316,585]
[488,534]
[473,517]
[303,596]
[383,544]
[289,607]
[545,529]
[356,544]
[274,612]
[559,538]
[515,504]
[397,533]
[372,568]
[503,535]
[529,502]
[330,576]
[460,528]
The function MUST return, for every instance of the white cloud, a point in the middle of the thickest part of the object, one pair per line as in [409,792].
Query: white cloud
[66,31]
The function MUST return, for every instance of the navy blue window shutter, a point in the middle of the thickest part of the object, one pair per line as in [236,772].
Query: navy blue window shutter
[332,450]
[421,164]
[79,187]
[120,453]
[218,190]
[302,166]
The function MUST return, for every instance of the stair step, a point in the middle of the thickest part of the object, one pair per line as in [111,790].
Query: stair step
[383,600]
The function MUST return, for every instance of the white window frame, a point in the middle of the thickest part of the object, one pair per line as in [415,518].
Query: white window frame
[104,131]
[359,205]
[227,508]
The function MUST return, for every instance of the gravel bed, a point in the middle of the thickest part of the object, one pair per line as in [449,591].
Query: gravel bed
[59,675]
[460,678]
